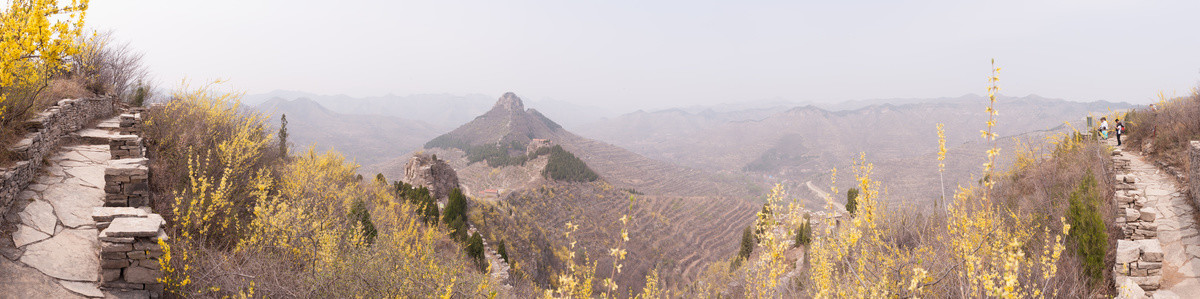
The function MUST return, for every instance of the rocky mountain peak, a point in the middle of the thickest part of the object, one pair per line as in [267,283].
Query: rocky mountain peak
[509,101]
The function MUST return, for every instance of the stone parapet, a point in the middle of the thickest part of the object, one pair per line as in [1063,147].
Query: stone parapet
[126,183]
[130,248]
[1139,260]
[45,132]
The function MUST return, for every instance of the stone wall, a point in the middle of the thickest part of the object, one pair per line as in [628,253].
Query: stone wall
[130,249]
[130,232]
[47,130]
[126,146]
[1139,252]
[127,178]
[126,183]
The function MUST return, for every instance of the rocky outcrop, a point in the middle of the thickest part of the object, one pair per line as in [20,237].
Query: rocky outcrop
[509,102]
[428,171]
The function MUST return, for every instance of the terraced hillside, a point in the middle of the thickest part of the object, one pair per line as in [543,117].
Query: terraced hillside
[679,236]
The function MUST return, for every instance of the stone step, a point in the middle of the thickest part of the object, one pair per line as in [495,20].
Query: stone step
[93,136]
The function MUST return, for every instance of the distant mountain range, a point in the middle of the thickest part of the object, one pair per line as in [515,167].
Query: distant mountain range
[804,143]
[443,110]
[367,139]
[687,218]
[509,122]
[659,151]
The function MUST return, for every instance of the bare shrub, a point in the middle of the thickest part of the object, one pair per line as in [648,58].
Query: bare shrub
[109,67]
[1167,129]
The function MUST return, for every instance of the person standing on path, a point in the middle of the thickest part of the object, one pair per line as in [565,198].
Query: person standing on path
[1103,128]
[1120,129]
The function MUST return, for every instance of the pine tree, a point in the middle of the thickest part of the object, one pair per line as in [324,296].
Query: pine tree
[748,243]
[852,201]
[283,136]
[803,233]
[430,212]
[475,250]
[359,213]
[502,251]
[139,96]
[456,206]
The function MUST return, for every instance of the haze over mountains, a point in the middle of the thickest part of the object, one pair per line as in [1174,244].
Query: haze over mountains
[687,217]
[443,110]
[698,173]
[764,141]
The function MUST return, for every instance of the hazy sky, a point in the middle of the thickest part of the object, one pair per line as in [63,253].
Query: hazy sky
[647,54]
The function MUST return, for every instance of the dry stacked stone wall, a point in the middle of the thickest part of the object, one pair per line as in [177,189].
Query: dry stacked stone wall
[126,180]
[130,233]
[130,248]
[45,132]
[1139,252]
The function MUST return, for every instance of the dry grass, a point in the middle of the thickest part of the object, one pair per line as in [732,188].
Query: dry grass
[1042,188]
[22,106]
[1163,133]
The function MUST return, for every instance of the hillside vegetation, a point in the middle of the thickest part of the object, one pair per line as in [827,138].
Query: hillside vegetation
[1032,231]
[288,225]
[1164,131]
[47,54]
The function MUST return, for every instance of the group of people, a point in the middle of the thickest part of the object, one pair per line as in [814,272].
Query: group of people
[1118,130]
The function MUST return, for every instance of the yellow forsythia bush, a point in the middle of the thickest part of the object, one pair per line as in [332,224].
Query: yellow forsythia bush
[244,221]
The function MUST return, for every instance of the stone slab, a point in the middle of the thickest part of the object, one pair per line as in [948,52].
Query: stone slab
[126,166]
[142,275]
[89,176]
[135,227]
[1129,289]
[108,213]
[1148,213]
[1191,268]
[39,215]
[69,255]
[73,203]
[87,289]
[26,235]
[20,281]
[1128,251]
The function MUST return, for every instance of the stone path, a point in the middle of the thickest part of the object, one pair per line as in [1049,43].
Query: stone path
[48,239]
[1177,229]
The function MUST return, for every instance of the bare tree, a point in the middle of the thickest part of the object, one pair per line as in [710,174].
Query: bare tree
[112,68]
